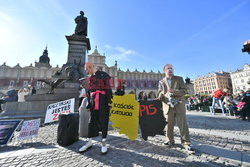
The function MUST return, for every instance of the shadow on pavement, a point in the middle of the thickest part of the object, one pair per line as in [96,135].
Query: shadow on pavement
[36,145]
[123,152]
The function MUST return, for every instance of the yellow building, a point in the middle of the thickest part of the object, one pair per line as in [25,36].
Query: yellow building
[209,83]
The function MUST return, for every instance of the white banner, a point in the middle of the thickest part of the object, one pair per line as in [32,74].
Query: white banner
[55,109]
[29,129]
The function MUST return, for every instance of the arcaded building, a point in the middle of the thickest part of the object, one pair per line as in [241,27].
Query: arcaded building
[19,77]
[136,81]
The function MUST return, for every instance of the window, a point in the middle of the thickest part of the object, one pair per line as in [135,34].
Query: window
[242,80]
[25,83]
[11,83]
[38,84]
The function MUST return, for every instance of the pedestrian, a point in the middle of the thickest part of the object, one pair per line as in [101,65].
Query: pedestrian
[99,102]
[217,96]
[171,92]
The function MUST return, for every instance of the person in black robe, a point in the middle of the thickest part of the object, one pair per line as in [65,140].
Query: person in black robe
[99,97]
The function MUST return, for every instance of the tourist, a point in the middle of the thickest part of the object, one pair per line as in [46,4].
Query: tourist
[217,96]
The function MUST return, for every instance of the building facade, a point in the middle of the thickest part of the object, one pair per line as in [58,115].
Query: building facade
[241,79]
[19,77]
[136,81]
[209,83]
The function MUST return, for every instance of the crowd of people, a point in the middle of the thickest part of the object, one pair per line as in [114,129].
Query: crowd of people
[237,105]
[15,95]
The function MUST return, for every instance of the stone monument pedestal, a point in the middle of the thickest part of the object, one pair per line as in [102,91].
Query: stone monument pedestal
[65,84]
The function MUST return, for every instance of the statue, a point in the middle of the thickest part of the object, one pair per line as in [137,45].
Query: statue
[81,24]
[188,81]
[246,47]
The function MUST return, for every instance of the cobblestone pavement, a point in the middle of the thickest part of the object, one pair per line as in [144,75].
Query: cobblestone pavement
[218,141]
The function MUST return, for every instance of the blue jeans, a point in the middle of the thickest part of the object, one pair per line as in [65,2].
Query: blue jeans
[219,102]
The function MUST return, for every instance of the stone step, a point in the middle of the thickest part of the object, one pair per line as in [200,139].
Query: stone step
[25,117]
[10,113]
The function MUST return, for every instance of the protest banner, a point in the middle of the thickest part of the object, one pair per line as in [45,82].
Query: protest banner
[55,109]
[29,129]
[152,120]
[125,115]
[7,129]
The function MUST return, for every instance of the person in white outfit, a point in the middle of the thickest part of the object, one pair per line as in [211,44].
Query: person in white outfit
[21,94]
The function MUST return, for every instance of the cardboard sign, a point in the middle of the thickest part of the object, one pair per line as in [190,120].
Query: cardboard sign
[29,129]
[152,121]
[125,115]
[7,129]
[55,109]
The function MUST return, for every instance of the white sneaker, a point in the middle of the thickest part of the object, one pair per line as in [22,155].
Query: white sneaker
[87,146]
[104,148]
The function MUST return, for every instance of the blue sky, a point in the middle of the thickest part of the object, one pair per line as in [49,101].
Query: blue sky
[196,36]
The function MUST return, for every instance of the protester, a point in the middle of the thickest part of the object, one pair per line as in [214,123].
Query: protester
[99,102]
[171,91]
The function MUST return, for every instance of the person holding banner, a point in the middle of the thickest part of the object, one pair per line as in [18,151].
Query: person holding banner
[99,102]
[171,91]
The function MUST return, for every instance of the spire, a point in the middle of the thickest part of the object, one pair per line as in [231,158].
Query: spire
[44,58]
[115,63]
[96,51]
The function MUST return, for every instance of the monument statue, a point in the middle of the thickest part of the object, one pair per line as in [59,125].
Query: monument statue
[81,24]
[246,47]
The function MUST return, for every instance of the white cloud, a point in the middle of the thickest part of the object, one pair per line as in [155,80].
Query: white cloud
[107,46]
[120,53]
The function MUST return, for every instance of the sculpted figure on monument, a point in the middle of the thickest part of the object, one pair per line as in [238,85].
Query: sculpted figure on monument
[81,24]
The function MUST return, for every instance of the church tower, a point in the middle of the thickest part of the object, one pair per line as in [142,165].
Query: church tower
[43,60]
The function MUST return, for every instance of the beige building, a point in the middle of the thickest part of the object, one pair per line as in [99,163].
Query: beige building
[136,81]
[19,77]
[241,79]
[209,83]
